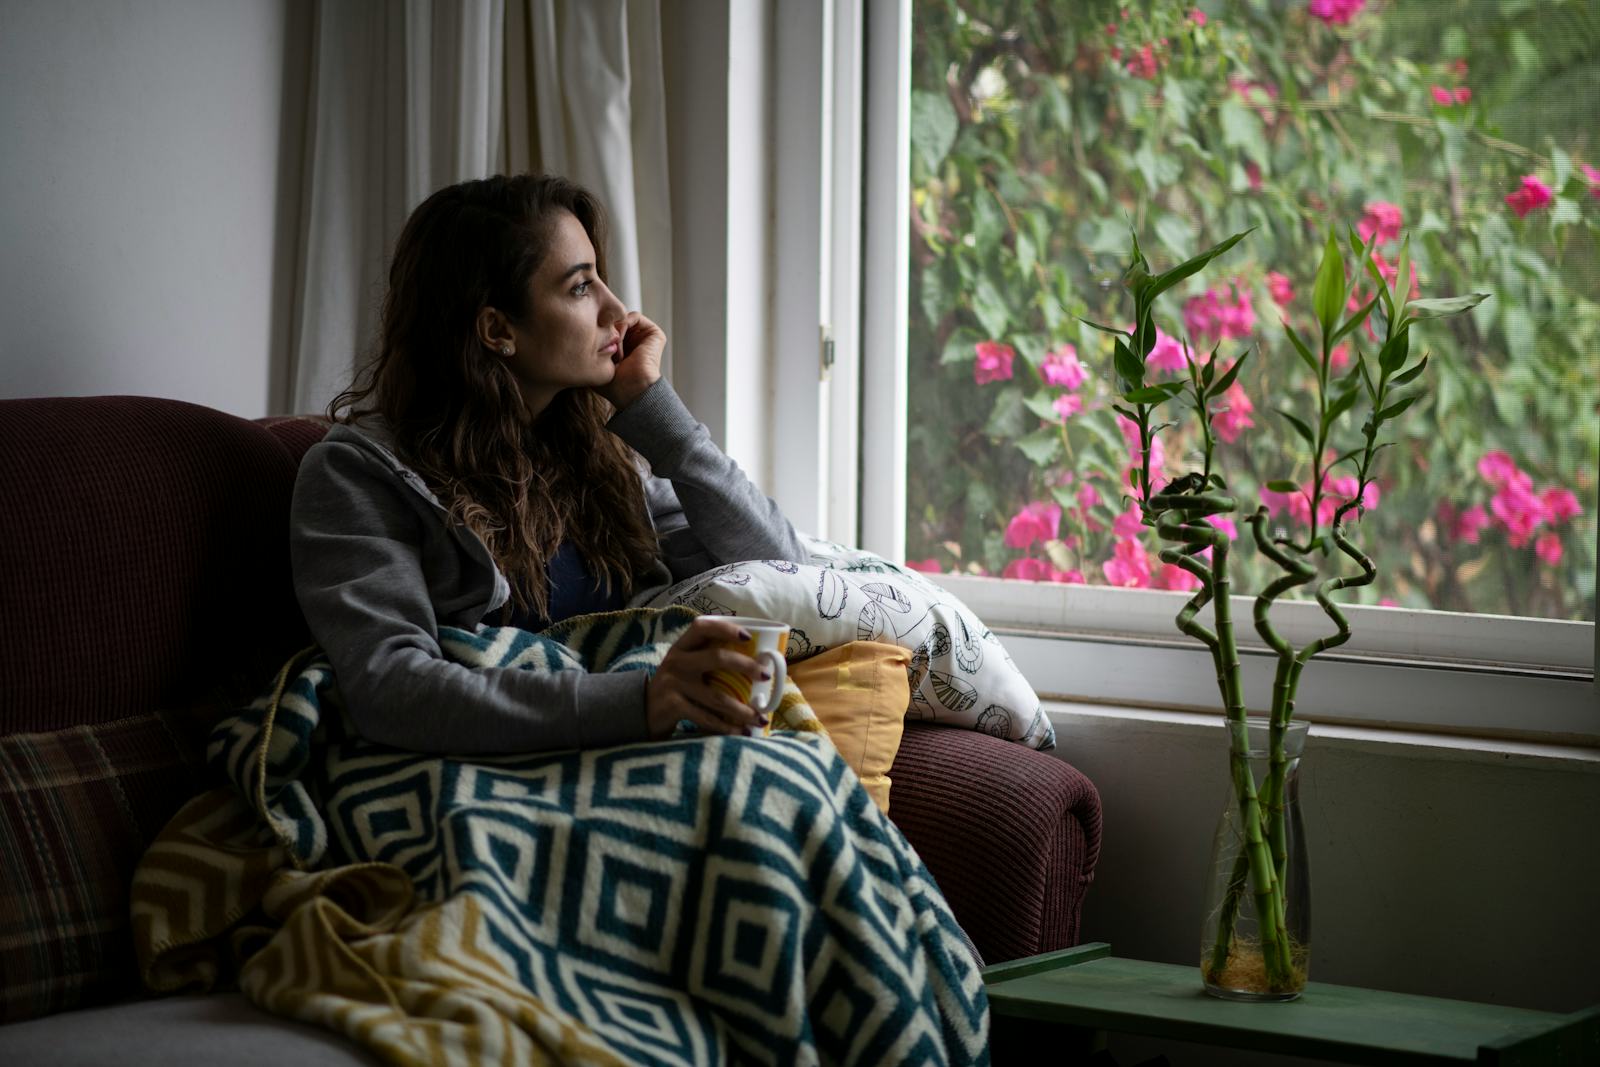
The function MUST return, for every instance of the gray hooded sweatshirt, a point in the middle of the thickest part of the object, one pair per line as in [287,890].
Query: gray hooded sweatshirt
[379,568]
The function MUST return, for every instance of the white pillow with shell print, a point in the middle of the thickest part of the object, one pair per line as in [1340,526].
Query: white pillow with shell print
[960,674]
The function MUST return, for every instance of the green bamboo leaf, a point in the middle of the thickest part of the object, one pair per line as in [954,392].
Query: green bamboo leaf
[1327,293]
[1232,372]
[1282,485]
[1439,307]
[1366,376]
[1299,426]
[1153,394]
[1103,329]
[1167,279]
[1352,454]
[1394,352]
[1395,409]
[1342,403]
[1124,412]
[1355,320]
[1382,286]
[1402,274]
[1410,375]
[1129,366]
[1216,480]
[1301,349]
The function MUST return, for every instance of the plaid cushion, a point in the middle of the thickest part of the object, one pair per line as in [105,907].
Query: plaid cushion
[77,808]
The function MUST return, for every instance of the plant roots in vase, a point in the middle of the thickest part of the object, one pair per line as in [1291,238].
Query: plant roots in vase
[1259,869]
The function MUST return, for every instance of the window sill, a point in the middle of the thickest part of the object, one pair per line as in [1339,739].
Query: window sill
[1077,717]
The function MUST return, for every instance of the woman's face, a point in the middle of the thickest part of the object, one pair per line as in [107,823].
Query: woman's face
[574,324]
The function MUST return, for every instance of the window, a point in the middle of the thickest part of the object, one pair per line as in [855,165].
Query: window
[1037,133]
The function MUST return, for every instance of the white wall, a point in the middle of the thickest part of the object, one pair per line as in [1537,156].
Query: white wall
[716,62]
[1441,867]
[150,162]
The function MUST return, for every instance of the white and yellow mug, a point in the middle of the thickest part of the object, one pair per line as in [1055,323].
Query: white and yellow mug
[769,641]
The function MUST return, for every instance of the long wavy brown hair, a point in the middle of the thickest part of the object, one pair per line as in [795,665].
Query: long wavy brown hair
[523,483]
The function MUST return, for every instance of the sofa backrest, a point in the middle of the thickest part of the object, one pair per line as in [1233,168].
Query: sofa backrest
[145,555]
[144,591]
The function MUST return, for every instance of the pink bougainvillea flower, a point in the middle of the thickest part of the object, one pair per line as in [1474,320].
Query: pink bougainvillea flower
[1143,64]
[926,566]
[1037,521]
[1518,508]
[1062,368]
[1167,354]
[1388,602]
[1533,194]
[1469,522]
[1072,577]
[1462,526]
[1548,549]
[1342,488]
[1459,68]
[1212,316]
[994,362]
[1279,288]
[1462,95]
[1592,176]
[1068,405]
[1088,497]
[1560,504]
[1128,567]
[1339,358]
[1177,579]
[1197,16]
[1496,468]
[1225,524]
[1336,12]
[1273,501]
[1027,569]
[1440,95]
[1252,175]
[1234,419]
[1128,523]
[1381,218]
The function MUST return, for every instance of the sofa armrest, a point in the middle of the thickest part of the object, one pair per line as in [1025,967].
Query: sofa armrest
[1011,835]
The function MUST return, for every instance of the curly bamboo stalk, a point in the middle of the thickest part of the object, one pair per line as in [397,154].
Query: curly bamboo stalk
[1257,859]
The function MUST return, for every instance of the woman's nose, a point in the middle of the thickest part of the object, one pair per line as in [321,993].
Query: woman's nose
[612,310]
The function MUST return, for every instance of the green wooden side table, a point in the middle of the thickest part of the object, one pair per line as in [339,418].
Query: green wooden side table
[1080,993]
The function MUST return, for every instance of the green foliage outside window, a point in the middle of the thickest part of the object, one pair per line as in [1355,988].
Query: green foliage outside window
[1043,132]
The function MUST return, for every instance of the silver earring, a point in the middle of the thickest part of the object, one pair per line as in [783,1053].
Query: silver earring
[506,350]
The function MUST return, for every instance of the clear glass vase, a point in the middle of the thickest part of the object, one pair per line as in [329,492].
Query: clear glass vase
[1259,870]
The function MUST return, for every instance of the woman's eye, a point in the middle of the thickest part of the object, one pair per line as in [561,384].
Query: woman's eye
[581,289]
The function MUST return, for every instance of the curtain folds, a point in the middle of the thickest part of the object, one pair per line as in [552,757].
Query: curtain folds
[411,95]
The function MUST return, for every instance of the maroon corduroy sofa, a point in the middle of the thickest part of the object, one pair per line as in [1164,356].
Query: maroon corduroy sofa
[144,584]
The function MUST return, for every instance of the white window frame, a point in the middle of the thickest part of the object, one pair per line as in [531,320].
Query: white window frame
[1423,670]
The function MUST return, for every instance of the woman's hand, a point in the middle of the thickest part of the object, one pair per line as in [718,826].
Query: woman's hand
[638,362]
[681,688]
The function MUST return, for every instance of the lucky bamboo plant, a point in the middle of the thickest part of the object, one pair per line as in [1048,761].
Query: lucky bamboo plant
[1179,511]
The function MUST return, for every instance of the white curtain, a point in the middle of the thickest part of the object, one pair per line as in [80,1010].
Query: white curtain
[408,96]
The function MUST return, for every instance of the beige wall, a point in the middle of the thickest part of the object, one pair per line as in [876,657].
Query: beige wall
[149,175]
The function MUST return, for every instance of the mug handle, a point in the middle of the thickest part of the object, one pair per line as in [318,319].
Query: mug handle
[780,675]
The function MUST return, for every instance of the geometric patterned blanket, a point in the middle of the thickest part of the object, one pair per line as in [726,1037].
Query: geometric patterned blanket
[705,900]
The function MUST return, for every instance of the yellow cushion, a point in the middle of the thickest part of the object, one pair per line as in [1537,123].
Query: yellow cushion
[860,693]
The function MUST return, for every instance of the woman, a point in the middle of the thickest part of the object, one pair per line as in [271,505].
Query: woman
[474,477]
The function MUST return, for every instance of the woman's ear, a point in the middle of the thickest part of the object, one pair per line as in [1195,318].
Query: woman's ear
[495,333]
